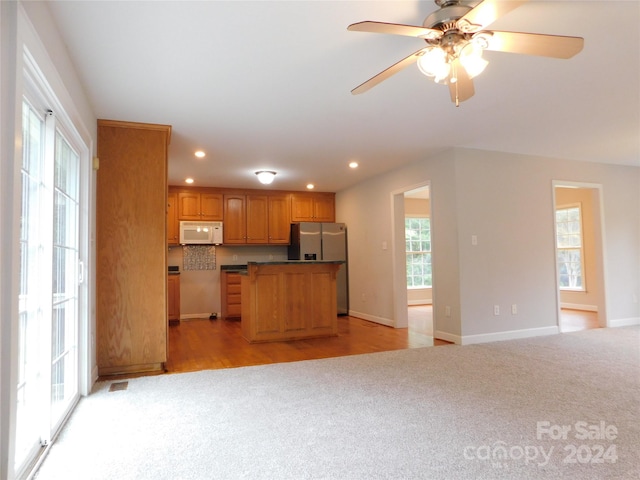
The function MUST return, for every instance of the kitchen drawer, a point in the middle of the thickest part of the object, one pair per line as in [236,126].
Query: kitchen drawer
[231,290]
[233,279]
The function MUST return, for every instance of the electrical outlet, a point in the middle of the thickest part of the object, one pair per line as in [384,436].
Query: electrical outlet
[496,309]
[235,257]
[514,309]
[474,240]
[447,311]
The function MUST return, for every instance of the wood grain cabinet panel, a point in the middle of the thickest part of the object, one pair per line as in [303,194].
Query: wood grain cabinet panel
[173,225]
[200,206]
[279,219]
[235,220]
[131,247]
[230,294]
[173,297]
[313,207]
[289,301]
[257,219]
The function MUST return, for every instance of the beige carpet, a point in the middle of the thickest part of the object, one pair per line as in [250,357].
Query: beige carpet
[562,406]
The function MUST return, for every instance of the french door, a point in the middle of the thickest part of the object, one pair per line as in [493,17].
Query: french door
[50,274]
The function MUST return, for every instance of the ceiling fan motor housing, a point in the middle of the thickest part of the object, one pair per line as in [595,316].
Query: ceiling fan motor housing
[446,17]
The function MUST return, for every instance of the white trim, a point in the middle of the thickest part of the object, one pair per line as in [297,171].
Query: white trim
[508,335]
[579,306]
[196,316]
[372,318]
[420,301]
[448,337]
[624,322]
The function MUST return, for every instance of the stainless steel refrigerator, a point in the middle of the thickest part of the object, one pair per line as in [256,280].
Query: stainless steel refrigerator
[323,241]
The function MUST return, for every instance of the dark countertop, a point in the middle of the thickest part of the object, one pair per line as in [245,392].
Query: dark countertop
[295,262]
[233,268]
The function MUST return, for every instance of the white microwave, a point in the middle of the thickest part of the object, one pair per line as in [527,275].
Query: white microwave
[200,233]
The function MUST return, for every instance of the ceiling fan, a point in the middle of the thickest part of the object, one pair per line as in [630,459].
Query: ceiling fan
[456,37]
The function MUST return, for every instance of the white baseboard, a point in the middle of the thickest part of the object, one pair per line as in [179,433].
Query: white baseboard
[579,306]
[197,316]
[426,301]
[448,337]
[508,335]
[624,322]
[372,318]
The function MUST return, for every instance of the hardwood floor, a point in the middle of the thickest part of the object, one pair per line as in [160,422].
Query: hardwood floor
[574,320]
[212,344]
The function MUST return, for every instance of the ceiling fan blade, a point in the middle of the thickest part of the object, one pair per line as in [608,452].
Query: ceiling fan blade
[555,46]
[462,89]
[485,13]
[395,29]
[392,70]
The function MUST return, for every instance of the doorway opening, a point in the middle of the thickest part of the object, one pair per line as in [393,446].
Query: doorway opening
[413,279]
[579,256]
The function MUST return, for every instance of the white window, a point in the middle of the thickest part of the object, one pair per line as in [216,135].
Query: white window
[418,249]
[570,248]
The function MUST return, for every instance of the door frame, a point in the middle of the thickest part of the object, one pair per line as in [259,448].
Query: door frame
[398,257]
[599,253]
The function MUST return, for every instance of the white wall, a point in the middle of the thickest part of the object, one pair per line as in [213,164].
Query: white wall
[506,201]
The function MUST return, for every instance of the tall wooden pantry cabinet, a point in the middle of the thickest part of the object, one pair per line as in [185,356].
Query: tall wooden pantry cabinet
[131,247]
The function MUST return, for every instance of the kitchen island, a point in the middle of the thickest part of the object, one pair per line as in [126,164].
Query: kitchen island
[289,300]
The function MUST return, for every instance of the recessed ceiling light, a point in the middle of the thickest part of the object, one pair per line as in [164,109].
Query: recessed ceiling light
[188,180]
[310,186]
[353,164]
[200,154]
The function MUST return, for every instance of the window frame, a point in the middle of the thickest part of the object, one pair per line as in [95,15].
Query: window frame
[429,252]
[580,248]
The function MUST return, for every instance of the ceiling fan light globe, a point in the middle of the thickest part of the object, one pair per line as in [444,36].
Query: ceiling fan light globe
[433,62]
[471,59]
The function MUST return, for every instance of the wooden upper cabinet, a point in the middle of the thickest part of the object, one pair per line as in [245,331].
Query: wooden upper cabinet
[173,226]
[257,219]
[200,206]
[235,220]
[211,206]
[313,207]
[279,219]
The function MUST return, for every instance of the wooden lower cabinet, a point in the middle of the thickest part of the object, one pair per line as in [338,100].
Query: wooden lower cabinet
[173,298]
[230,294]
[289,301]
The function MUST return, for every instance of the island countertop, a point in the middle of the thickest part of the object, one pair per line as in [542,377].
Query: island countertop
[295,262]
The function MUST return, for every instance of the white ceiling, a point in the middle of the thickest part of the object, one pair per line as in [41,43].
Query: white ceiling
[266,85]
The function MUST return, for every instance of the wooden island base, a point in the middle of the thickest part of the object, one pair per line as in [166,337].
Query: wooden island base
[289,300]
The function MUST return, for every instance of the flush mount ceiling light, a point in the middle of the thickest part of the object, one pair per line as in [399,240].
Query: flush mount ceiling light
[200,154]
[266,176]
[456,37]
